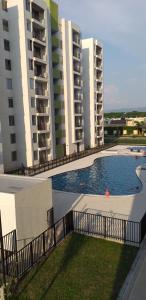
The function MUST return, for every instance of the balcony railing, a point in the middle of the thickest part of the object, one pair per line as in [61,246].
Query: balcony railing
[77,82]
[76,54]
[37,16]
[39,37]
[77,68]
[43,126]
[78,97]
[76,39]
[42,109]
[41,92]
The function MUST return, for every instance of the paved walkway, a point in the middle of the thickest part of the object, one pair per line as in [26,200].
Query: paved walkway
[134,287]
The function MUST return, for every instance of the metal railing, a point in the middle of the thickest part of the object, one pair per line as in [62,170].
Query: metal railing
[19,262]
[49,165]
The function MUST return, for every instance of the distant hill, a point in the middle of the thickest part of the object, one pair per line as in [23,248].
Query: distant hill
[131,109]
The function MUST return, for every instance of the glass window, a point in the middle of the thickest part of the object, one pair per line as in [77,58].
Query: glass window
[6,45]
[11,121]
[35,137]
[33,120]
[27,2]
[5,25]
[35,155]
[8,64]
[30,45]
[31,83]
[9,83]
[30,64]
[28,25]
[10,102]
[13,138]
[14,155]
[32,102]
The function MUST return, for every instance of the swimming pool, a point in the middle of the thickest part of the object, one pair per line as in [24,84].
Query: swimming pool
[115,173]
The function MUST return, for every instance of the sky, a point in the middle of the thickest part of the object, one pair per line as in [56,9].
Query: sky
[121,27]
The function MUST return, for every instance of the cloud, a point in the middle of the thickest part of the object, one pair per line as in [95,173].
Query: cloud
[111,96]
[120,23]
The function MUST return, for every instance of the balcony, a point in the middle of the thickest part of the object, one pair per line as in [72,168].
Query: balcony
[43,126]
[39,36]
[41,109]
[76,54]
[78,97]
[41,92]
[78,135]
[44,143]
[76,39]
[37,13]
[78,82]
[77,68]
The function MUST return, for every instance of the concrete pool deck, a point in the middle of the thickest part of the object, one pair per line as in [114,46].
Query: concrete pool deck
[131,207]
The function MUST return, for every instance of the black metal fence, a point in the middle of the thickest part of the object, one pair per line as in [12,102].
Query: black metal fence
[17,263]
[108,227]
[37,169]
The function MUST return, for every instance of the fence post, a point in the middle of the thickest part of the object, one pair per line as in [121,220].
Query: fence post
[2,252]
[44,252]
[54,236]
[104,224]
[64,231]
[31,254]
[124,225]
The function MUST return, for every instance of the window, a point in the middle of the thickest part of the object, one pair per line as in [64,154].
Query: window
[9,83]
[35,155]
[10,102]
[34,138]
[6,45]
[13,138]
[5,25]
[33,120]
[30,45]
[4,5]
[8,64]
[31,83]
[11,121]
[27,2]
[14,155]
[28,25]
[30,64]
[32,102]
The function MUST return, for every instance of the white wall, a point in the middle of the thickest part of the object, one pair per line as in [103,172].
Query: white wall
[32,205]
[7,208]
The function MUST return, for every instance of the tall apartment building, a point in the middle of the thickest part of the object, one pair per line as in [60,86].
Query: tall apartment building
[26,85]
[92,52]
[73,86]
[41,88]
[58,85]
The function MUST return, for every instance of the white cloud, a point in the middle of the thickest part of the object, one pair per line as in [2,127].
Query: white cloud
[111,96]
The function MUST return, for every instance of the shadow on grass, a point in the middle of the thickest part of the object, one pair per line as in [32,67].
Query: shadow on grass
[74,245]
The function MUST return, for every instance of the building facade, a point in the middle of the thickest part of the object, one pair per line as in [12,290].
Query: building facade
[73,86]
[92,52]
[45,110]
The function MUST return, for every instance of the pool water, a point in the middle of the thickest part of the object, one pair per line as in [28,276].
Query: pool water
[115,173]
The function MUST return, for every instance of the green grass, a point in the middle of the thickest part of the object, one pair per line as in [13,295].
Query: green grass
[80,268]
[126,140]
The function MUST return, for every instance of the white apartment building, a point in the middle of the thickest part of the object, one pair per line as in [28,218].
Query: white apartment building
[25,71]
[73,86]
[92,52]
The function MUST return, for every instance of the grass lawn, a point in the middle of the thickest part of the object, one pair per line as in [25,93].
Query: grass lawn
[126,140]
[79,268]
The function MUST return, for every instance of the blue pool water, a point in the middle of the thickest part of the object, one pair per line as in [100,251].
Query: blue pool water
[115,173]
